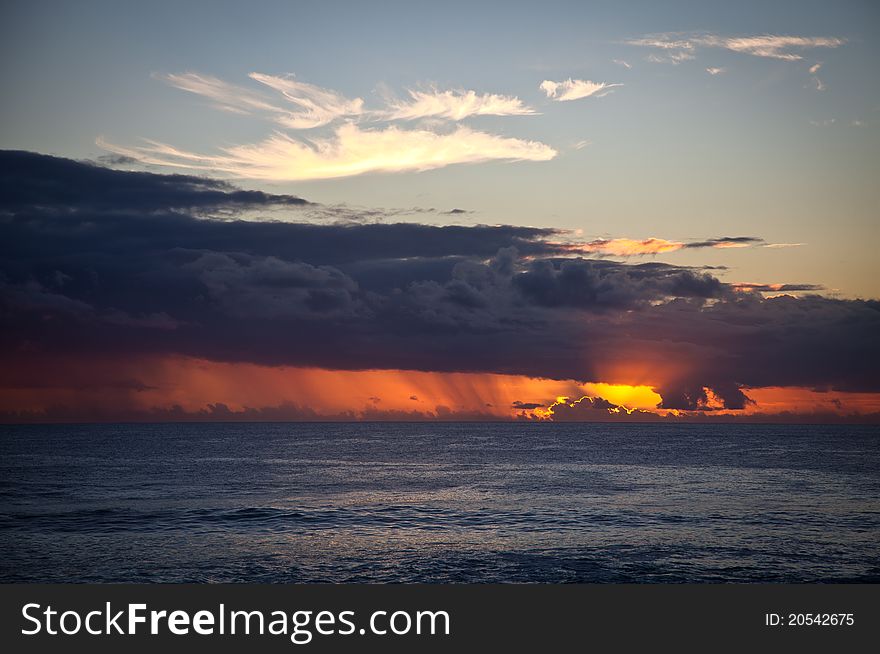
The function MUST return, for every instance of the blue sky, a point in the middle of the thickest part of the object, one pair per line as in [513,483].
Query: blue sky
[763,147]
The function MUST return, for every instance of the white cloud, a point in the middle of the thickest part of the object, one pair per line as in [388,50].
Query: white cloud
[456,105]
[344,148]
[677,47]
[318,106]
[773,46]
[673,58]
[628,247]
[621,62]
[715,71]
[817,83]
[350,151]
[662,42]
[673,51]
[575,89]
[228,97]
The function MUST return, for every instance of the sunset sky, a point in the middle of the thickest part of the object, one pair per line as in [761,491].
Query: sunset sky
[420,211]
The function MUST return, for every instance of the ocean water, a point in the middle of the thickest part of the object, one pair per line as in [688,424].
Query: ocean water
[439,503]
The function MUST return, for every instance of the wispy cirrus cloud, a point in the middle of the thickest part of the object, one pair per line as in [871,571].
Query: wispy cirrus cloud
[318,106]
[677,47]
[671,51]
[575,89]
[346,147]
[751,287]
[226,96]
[629,247]
[726,242]
[662,42]
[773,46]
[776,246]
[456,105]
[673,58]
[349,151]
[817,83]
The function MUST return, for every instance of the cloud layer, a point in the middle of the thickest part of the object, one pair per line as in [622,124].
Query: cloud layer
[349,151]
[677,47]
[456,105]
[97,274]
[361,141]
[628,247]
[575,89]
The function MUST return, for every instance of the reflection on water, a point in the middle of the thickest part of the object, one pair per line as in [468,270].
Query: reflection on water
[439,502]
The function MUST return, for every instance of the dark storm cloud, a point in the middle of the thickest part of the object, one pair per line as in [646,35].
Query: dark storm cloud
[31,181]
[110,272]
[812,341]
[602,284]
[59,208]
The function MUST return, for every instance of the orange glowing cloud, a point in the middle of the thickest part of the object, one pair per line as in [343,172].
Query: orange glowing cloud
[194,384]
[586,407]
[777,289]
[775,399]
[626,247]
[187,388]
[711,402]
[629,247]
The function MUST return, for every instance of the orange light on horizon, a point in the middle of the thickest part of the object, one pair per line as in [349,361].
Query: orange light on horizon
[632,397]
[196,385]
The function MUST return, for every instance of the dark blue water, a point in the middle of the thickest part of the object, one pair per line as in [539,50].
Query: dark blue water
[439,503]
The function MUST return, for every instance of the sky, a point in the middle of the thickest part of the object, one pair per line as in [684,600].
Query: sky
[543,211]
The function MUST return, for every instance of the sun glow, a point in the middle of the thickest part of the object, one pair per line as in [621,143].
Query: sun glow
[188,388]
[632,397]
[194,385]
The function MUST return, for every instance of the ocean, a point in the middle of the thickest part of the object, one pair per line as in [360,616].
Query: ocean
[436,502]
